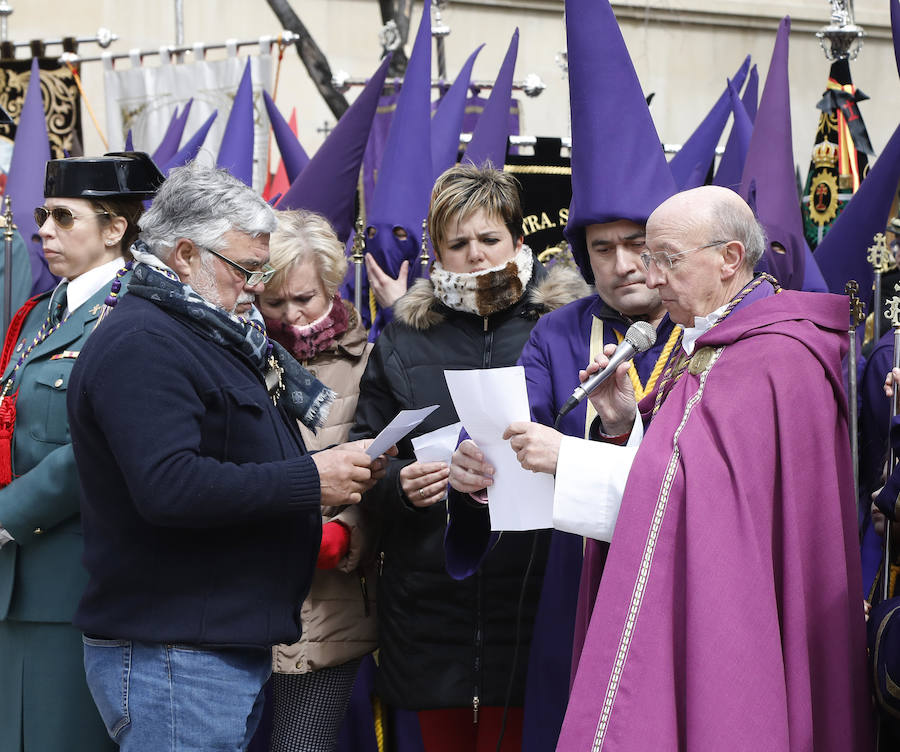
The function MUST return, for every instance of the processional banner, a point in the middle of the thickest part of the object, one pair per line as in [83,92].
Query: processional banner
[143,99]
[62,106]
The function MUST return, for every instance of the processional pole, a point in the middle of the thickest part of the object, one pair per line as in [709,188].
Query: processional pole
[424,257]
[179,29]
[893,315]
[9,230]
[439,31]
[880,258]
[857,316]
[358,257]
[5,12]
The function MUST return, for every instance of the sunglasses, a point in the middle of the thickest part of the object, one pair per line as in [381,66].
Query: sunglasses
[63,217]
[253,278]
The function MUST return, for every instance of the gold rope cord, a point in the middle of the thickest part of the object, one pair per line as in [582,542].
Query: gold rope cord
[378,716]
[87,103]
[538,169]
[640,391]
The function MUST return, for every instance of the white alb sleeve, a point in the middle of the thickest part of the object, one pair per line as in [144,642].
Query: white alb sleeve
[590,481]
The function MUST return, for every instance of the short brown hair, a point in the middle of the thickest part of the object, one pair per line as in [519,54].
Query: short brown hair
[464,189]
[130,209]
[304,235]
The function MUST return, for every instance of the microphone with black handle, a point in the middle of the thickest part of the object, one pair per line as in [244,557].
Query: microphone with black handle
[640,337]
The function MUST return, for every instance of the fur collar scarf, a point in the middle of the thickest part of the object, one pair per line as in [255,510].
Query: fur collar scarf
[485,292]
[548,290]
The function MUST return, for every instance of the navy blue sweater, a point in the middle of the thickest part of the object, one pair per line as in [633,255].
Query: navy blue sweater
[200,506]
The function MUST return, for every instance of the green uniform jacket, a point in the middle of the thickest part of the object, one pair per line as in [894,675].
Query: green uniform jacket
[41,577]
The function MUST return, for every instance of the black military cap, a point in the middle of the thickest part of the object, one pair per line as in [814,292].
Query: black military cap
[122,174]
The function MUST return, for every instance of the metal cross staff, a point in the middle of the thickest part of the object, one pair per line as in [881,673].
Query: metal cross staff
[359,245]
[9,229]
[423,257]
[857,316]
[880,258]
[892,314]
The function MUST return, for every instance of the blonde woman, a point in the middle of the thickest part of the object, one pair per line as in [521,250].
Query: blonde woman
[303,311]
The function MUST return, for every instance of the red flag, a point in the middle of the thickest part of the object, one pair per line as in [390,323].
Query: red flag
[279,183]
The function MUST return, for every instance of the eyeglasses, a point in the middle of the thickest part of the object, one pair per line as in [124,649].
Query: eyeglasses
[665,261]
[63,216]
[253,278]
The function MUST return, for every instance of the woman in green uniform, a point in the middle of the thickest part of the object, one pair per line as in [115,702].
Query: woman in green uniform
[87,223]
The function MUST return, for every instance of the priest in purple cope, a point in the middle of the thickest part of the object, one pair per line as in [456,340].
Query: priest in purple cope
[732,605]
[782,660]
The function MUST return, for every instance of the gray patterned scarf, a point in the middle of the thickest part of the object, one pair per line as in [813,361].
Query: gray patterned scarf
[304,397]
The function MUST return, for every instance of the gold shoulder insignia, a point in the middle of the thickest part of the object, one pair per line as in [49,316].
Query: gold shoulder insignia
[701,360]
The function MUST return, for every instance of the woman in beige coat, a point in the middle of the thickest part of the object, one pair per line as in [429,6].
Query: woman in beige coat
[313,678]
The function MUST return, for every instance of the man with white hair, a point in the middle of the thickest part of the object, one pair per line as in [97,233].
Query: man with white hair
[732,603]
[201,508]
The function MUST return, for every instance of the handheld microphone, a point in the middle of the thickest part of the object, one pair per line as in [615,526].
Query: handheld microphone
[640,337]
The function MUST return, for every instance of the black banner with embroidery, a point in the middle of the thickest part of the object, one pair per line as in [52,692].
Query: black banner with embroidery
[546,179]
[839,157]
[62,103]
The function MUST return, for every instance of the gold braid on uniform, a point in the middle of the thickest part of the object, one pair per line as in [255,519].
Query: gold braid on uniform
[675,370]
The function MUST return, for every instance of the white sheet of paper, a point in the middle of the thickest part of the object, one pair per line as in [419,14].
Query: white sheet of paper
[399,427]
[487,401]
[437,446]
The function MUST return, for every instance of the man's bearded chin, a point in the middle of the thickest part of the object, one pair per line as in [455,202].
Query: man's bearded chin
[243,303]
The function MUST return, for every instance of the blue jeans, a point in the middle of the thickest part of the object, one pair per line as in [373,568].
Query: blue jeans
[176,698]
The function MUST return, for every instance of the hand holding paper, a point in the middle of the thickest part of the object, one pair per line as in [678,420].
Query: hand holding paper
[405,422]
[536,445]
[437,446]
[487,401]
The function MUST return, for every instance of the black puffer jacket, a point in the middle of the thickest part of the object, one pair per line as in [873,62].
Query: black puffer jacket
[444,643]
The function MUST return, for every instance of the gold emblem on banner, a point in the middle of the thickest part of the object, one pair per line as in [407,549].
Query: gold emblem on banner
[823,198]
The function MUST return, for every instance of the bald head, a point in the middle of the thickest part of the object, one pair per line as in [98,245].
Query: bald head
[714,212]
[702,246]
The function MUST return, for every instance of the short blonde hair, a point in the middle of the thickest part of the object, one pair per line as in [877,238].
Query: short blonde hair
[464,189]
[304,235]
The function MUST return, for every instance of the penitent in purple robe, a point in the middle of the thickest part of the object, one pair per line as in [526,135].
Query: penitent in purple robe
[561,343]
[730,613]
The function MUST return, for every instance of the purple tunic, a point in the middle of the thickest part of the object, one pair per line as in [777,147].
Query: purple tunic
[559,345]
[731,600]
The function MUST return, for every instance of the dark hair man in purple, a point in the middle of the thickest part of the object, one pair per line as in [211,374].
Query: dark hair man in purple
[732,589]
[559,345]
[614,190]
